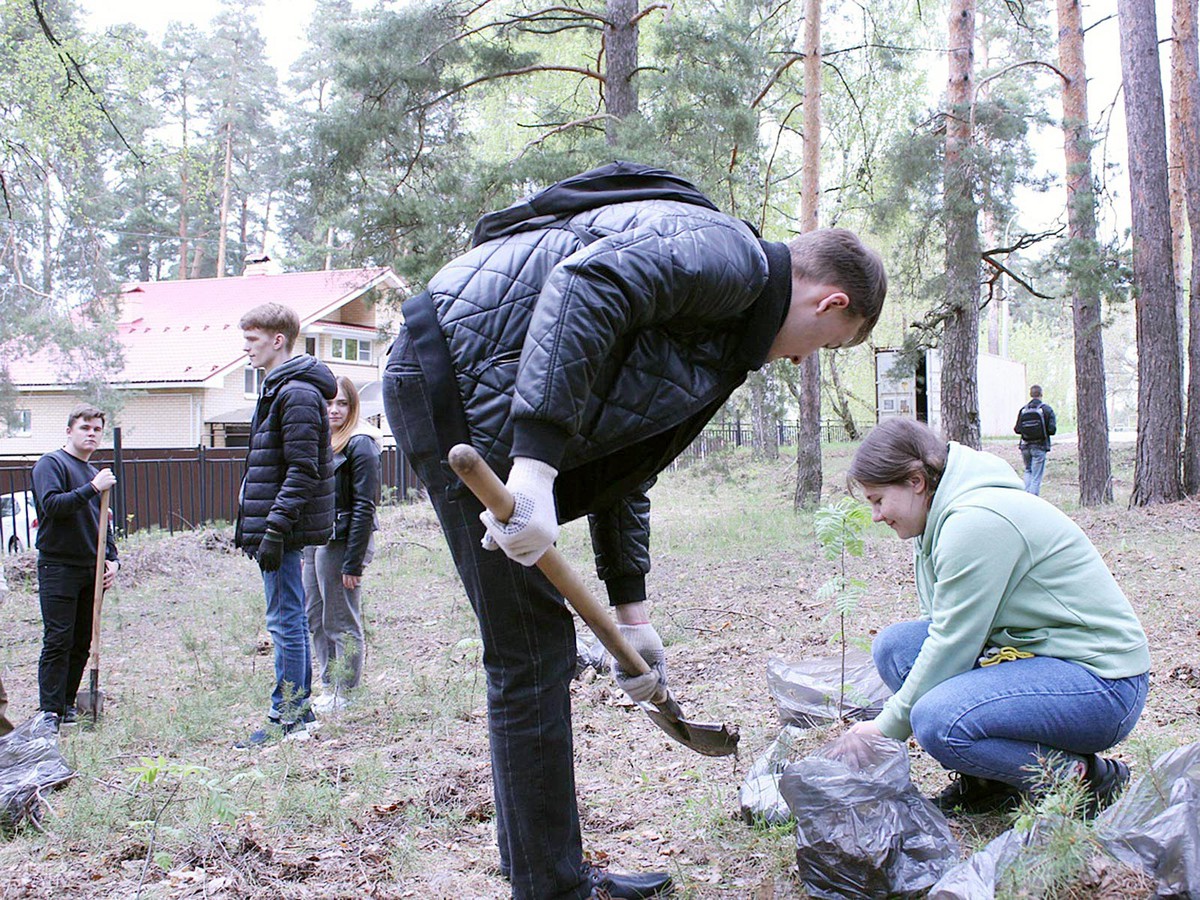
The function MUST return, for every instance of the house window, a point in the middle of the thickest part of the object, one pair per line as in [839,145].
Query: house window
[21,423]
[350,350]
[310,346]
[253,380]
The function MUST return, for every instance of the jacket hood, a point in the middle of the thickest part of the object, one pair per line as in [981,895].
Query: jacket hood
[967,470]
[302,368]
[365,427]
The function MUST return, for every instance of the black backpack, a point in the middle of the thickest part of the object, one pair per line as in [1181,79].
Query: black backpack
[1031,424]
[617,182]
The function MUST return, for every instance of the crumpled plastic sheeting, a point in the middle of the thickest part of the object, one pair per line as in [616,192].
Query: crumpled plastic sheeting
[807,692]
[976,877]
[1155,825]
[759,795]
[591,656]
[862,829]
[29,763]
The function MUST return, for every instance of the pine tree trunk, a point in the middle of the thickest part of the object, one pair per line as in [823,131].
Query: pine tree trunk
[809,473]
[221,236]
[183,189]
[1095,473]
[621,54]
[1185,33]
[762,420]
[1156,477]
[960,340]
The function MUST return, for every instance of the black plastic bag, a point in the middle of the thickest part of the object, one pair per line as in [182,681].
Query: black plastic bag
[759,795]
[29,763]
[807,693]
[862,829]
[1155,825]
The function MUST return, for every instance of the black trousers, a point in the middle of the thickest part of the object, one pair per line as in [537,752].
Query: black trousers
[66,594]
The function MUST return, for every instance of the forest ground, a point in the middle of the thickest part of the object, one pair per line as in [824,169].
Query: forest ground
[392,798]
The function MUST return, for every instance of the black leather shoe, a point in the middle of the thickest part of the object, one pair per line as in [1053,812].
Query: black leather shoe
[606,884]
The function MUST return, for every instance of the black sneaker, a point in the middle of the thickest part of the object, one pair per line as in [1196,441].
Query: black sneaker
[71,716]
[1105,780]
[277,730]
[608,885]
[972,795]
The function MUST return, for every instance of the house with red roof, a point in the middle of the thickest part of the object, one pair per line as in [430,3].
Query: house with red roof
[185,380]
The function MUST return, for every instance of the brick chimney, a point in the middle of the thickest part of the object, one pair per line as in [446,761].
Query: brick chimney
[259,264]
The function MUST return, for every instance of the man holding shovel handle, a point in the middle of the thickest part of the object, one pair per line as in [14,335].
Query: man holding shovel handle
[68,490]
[588,336]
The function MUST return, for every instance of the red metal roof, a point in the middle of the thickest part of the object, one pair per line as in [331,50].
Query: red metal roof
[187,331]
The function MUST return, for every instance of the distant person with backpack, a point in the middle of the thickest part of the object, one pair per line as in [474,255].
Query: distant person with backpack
[1035,424]
[581,344]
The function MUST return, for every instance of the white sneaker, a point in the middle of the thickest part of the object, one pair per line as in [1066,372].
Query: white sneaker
[329,703]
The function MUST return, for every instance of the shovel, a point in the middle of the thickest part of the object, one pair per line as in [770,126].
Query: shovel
[92,699]
[705,738]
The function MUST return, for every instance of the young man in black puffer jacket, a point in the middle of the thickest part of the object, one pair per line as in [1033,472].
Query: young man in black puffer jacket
[579,352]
[286,501]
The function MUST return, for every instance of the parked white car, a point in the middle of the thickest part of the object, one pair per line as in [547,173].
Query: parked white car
[18,521]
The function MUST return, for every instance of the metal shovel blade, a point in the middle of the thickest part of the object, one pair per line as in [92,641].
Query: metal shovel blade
[706,738]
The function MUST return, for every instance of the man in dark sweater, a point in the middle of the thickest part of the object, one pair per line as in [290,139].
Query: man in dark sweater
[286,501]
[66,489]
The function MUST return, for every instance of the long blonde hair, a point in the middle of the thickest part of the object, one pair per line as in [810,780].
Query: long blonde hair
[345,431]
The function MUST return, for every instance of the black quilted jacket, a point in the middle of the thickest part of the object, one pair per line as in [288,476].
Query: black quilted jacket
[288,483]
[602,345]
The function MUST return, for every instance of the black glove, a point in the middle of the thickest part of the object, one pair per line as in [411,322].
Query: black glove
[270,551]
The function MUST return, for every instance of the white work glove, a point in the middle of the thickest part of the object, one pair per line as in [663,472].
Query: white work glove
[645,640]
[533,527]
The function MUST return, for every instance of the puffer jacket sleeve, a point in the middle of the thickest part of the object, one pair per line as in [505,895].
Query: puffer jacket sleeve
[621,543]
[690,269]
[301,413]
[363,459]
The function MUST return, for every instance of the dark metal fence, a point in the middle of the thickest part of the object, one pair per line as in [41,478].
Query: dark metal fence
[723,436]
[172,489]
[184,488]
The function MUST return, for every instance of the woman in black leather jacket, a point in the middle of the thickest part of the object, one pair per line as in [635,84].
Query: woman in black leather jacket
[333,573]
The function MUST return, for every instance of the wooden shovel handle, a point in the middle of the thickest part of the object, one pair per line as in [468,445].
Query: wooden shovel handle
[479,477]
[98,595]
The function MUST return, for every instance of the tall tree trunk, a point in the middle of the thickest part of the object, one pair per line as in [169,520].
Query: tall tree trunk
[809,474]
[1095,473]
[1177,191]
[1156,476]
[183,188]
[47,237]
[221,236]
[762,419]
[841,401]
[621,54]
[960,339]
[1184,28]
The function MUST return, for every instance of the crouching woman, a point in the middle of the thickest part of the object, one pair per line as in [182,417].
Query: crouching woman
[1026,648]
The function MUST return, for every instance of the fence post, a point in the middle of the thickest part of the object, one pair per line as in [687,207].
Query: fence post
[118,496]
[737,441]
[202,512]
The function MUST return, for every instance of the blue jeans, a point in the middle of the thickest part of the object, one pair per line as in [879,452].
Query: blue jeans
[1035,466]
[529,659]
[288,626]
[997,721]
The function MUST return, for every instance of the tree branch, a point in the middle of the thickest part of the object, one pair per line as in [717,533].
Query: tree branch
[75,71]
[524,70]
[1028,62]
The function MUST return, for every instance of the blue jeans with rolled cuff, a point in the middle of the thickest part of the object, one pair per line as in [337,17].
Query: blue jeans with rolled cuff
[288,627]
[997,721]
[529,658]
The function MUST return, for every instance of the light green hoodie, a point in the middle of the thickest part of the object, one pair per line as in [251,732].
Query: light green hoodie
[998,567]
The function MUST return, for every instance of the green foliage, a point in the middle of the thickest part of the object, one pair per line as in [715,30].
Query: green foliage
[839,529]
